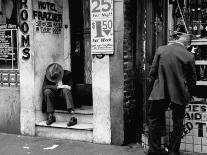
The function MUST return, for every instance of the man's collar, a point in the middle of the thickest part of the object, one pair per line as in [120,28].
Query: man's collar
[180,43]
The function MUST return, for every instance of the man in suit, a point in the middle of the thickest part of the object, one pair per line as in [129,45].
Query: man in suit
[172,76]
[56,88]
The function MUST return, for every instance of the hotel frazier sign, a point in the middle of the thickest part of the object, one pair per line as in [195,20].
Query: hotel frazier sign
[102,27]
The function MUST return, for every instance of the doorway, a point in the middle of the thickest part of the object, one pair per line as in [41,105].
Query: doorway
[79,11]
[149,36]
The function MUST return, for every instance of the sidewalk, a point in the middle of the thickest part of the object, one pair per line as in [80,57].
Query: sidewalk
[25,145]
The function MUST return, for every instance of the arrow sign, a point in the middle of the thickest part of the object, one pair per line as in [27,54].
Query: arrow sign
[107,32]
[102,31]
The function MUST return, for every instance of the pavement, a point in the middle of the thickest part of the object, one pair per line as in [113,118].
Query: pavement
[11,144]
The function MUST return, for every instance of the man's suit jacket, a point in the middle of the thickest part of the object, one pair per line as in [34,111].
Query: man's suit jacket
[173,74]
[67,80]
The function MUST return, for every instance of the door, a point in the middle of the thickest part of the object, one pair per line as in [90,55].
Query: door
[155,34]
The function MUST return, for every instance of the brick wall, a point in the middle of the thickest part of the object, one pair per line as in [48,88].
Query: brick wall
[129,58]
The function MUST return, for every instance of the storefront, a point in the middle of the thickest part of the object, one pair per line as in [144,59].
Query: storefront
[46,31]
[50,32]
[187,16]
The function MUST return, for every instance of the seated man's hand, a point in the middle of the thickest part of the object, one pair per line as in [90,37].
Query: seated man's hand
[64,86]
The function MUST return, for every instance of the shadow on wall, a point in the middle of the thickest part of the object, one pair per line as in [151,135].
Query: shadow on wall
[82,95]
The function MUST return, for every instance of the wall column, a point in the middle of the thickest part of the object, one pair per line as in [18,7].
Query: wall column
[101,100]
[26,62]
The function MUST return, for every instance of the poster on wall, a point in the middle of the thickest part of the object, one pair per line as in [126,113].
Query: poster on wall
[8,49]
[196,119]
[102,39]
[8,34]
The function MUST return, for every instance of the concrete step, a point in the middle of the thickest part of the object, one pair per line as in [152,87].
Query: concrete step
[60,130]
[83,114]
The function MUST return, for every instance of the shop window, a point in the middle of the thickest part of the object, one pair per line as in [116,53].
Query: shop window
[187,16]
[9,73]
[8,35]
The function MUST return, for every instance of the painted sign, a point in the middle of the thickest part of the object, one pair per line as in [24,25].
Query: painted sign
[102,27]
[196,119]
[48,19]
[8,35]
[24,28]
[8,48]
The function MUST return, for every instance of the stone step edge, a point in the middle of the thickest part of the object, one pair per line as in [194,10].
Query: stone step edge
[78,126]
[77,111]
[64,117]
[64,133]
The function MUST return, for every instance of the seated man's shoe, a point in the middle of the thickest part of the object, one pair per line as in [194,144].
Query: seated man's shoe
[51,119]
[73,121]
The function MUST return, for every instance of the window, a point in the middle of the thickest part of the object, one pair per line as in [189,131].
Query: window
[9,73]
[8,35]
[187,16]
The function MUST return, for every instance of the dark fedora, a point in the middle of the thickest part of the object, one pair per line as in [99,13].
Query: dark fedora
[54,72]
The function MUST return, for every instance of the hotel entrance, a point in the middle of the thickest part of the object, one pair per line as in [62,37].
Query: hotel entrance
[81,62]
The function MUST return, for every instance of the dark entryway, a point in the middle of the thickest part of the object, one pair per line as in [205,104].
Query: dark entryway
[151,32]
[79,11]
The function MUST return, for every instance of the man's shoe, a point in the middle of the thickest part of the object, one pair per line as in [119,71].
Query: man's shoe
[158,153]
[174,153]
[51,120]
[73,121]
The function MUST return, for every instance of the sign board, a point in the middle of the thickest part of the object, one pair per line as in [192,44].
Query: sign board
[196,119]
[8,47]
[102,26]
[48,17]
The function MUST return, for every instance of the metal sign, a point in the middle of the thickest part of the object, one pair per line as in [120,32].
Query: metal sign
[102,27]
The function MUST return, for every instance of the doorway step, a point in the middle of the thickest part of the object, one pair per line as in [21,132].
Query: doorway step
[82,131]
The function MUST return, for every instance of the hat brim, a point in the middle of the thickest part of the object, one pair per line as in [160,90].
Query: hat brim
[59,77]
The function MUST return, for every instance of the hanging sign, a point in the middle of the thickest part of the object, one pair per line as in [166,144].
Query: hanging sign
[102,27]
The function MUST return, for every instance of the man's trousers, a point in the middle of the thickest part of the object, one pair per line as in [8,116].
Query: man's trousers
[157,116]
[54,96]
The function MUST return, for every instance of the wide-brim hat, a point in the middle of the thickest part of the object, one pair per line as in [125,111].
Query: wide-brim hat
[54,72]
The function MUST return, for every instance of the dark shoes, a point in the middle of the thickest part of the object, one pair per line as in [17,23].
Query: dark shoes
[174,153]
[73,121]
[163,153]
[158,153]
[51,119]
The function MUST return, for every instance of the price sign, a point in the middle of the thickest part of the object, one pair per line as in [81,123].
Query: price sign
[102,27]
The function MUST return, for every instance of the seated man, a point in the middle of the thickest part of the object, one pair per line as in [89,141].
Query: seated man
[57,87]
